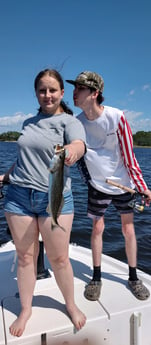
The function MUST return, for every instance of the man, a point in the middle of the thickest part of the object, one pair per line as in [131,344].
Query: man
[109,156]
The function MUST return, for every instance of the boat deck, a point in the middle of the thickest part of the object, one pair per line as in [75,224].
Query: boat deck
[118,318]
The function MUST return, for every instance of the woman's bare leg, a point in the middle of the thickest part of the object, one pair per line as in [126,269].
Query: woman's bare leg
[57,244]
[24,230]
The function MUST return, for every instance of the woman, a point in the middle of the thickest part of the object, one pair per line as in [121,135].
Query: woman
[27,197]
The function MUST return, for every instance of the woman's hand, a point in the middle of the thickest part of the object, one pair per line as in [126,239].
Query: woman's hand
[5,177]
[74,152]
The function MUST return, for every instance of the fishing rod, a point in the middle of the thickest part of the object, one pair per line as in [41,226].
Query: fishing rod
[137,206]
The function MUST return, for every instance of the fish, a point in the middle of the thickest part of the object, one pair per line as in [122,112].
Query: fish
[56,185]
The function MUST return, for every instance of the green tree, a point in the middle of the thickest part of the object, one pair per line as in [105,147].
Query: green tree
[142,138]
[9,136]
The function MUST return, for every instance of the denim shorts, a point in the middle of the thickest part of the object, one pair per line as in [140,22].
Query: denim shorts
[31,202]
[98,202]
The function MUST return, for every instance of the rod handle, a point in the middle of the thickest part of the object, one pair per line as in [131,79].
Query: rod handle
[118,185]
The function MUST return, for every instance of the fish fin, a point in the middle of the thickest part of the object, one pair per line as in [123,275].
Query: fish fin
[48,209]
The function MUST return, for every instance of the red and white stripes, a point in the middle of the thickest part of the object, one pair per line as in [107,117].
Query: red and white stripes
[126,143]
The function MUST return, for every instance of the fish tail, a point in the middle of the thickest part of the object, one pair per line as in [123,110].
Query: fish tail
[55,225]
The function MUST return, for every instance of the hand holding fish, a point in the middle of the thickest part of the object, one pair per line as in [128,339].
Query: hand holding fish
[5,177]
[68,155]
[74,152]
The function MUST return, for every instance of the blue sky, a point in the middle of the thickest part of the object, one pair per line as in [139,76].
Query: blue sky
[111,37]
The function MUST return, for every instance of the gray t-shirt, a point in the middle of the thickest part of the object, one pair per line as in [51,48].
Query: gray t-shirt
[36,147]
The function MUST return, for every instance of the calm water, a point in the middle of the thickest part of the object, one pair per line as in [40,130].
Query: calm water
[113,239]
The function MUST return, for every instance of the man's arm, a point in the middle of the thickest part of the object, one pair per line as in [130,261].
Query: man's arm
[126,143]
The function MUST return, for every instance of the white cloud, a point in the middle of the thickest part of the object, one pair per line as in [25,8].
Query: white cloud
[141,125]
[131,114]
[146,87]
[131,93]
[13,123]
[137,121]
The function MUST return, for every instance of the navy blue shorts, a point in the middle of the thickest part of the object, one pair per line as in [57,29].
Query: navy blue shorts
[98,202]
[31,202]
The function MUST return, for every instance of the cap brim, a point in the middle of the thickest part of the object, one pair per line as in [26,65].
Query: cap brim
[73,82]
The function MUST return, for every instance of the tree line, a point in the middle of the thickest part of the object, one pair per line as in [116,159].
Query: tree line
[140,138]
[9,136]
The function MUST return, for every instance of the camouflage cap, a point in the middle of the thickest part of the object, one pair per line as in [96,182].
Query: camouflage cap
[89,79]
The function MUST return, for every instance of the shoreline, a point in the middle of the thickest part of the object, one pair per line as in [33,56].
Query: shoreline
[143,147]
[134,146]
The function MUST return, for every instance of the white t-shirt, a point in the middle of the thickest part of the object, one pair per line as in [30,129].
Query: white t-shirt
[103,158]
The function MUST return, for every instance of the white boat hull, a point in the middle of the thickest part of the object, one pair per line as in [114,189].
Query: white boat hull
[117,318]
